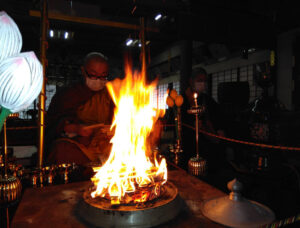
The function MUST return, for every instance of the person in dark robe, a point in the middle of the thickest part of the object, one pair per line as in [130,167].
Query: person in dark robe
[79,118]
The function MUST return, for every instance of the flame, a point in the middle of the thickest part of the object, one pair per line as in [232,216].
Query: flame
[131,163]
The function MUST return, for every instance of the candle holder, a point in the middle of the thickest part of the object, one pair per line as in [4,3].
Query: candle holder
[177,148]
[175,101]
[197,165]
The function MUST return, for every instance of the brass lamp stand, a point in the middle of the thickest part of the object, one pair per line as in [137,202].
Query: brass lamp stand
[197,165]
[10,186]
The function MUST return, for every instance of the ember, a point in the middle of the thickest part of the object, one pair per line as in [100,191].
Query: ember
[132,173]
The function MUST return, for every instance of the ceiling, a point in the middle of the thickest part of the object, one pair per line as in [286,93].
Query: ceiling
[234,23]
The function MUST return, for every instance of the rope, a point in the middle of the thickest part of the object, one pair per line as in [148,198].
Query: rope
[243,142]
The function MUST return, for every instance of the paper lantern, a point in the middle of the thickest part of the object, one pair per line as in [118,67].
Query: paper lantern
[21,80]
[10,37]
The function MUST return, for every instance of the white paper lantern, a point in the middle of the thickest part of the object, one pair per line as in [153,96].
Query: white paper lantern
[21,80]
[10,37]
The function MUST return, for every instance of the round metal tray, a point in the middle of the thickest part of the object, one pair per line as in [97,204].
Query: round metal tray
[157,212]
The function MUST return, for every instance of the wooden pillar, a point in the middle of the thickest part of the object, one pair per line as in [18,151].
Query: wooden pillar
[185,34]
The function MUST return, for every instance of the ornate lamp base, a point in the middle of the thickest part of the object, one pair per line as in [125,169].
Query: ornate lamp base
[10,190]
[197,166]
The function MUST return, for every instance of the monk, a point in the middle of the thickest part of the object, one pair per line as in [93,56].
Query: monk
[79,118]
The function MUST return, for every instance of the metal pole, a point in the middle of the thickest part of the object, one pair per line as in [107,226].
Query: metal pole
[197,135]
[143,48]
[44,23]
[5,169]
[5,149]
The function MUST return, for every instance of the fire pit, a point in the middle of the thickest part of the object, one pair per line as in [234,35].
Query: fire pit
[131,188]
[100,212]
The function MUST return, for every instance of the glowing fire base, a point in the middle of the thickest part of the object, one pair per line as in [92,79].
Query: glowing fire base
[98,212]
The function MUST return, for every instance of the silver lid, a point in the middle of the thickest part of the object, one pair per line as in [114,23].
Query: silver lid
[236,211]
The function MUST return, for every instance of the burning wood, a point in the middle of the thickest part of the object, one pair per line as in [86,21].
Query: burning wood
[141,194]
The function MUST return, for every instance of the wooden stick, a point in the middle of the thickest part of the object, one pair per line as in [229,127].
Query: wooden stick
[94,126]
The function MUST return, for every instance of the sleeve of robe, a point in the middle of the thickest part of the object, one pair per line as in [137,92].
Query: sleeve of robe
[63,108]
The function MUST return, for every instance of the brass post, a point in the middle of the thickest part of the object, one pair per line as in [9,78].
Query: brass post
[44,25]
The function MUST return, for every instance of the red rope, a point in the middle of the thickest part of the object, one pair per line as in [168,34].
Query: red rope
[243,142]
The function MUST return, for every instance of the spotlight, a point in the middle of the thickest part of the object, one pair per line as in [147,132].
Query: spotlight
[129,42]
[158,16]
[251,50]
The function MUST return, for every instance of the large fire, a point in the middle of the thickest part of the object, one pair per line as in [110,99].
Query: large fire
[131,174]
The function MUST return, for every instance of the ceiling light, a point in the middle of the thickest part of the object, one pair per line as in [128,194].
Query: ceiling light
[129,42]
[251,50]
[158,16]
[135,42]
[66,35]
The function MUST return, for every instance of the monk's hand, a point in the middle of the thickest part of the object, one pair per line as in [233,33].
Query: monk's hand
[84,131]
[70,130]
[106,129]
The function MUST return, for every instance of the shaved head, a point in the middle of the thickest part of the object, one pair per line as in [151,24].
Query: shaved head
[94,56]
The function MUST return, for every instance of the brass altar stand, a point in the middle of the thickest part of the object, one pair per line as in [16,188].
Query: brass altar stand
[55,206]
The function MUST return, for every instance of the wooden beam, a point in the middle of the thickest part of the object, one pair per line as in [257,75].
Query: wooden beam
[92,21]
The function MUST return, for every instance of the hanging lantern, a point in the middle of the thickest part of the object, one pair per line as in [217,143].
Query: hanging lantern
[10,37]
